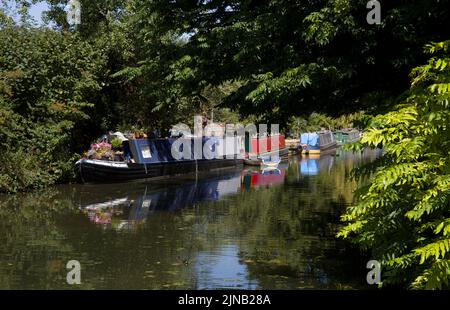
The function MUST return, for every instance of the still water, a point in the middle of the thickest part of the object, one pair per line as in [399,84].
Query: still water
[244,229]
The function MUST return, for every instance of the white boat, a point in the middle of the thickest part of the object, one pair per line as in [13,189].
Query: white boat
[270,170]
[271,163]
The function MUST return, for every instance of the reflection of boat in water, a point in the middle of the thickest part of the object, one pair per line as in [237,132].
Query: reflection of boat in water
[123,205]
[255,178]
[312,165]
[130,204]
[309,166]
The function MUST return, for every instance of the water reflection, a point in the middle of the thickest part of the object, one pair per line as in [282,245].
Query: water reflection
[246,228]
[126,212]
[312,165]
[223,269]
[254,178]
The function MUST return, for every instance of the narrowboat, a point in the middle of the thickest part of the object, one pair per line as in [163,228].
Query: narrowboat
[293,145]
[317,142]
[259,148]
[152,159]
[346,136]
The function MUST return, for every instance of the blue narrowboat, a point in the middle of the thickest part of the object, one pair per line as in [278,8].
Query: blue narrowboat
[152,158]
[317,142]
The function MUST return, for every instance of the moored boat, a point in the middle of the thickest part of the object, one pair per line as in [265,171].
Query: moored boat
[268,148]
[152,158]
[101,171]
[317,142]
[293,145]
[346,136]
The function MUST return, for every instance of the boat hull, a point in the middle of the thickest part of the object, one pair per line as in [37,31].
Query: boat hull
[321,149]
[282,153]
[98,171]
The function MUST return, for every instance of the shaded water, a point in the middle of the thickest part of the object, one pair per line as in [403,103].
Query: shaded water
[245,228]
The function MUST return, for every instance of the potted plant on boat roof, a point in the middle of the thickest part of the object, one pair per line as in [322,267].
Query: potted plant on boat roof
[117,148]
[116,144]
[139,134]
[102,150]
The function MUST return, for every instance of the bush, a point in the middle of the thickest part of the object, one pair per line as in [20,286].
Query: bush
[318,121]
[22,170]
[47,82]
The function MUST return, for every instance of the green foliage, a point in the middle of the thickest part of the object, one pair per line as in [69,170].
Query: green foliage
[116,143]
[46,82]
[21,171]
[293,57]
[404,215]
[318,121]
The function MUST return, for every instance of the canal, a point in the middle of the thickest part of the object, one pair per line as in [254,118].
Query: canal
[245,229]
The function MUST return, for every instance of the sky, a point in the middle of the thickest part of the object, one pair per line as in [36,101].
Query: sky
[36,11]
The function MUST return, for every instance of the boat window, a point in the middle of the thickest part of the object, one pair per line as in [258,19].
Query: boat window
[146,203]
[145,150]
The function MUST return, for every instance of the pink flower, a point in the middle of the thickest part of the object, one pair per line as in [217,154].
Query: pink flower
[105,145]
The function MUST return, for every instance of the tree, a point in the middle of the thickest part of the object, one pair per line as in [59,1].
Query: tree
[403,215]
[292,57]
